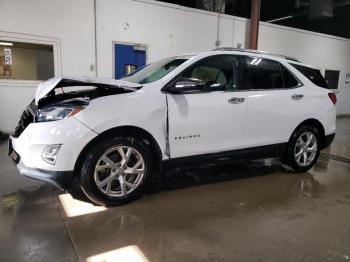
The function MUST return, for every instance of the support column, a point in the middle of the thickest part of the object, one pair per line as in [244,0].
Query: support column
[254,24]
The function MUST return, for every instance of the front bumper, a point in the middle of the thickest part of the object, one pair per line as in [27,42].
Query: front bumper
[26,150]
[61,179]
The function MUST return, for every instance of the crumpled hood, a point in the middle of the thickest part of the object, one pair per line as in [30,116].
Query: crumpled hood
[46,87]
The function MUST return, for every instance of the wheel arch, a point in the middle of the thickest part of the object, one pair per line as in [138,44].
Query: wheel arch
[127,131]
[314,123]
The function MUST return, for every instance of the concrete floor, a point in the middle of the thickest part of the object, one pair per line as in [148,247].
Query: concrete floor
[255,211]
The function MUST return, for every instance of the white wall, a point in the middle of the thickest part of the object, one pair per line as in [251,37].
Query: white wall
[322,51]
[68,25]
[165,29]
[168,29]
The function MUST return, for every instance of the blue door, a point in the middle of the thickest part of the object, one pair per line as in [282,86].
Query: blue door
[127,59]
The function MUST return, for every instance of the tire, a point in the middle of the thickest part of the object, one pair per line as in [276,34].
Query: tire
[105,170]
[299,156]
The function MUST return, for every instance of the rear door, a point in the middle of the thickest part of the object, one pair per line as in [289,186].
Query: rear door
[212,120]
[276,101]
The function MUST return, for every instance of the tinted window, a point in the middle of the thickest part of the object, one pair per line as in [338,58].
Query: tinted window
[218,73]
[258,73]
[312,74]
[288,79]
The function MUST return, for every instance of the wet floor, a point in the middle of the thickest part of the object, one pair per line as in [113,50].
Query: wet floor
[254,211]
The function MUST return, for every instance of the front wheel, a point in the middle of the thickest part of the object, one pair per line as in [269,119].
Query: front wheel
[303,149]
[115,170]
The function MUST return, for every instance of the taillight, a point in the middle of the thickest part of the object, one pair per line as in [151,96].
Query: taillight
[333,97]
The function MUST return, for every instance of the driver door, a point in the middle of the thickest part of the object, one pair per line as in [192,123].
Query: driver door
[210,120]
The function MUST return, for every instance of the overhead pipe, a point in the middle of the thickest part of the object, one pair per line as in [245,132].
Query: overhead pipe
[254,24]
[217,42]
[95,36]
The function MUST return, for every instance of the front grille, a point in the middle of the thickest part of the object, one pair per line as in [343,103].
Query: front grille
[27,118]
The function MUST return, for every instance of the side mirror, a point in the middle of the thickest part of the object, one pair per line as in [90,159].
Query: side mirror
[187,86]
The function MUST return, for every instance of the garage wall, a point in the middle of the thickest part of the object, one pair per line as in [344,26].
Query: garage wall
[322,51]
[168,29]
[67,25]
[165,29]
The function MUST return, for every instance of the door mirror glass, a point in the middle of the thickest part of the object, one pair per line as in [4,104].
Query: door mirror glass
[187,85]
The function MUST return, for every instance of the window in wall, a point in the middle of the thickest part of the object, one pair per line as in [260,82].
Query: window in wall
[258,73]
[26,61]
[332,78]
[218,73]
[314,75]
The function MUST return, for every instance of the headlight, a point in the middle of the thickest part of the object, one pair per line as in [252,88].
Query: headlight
[54,113]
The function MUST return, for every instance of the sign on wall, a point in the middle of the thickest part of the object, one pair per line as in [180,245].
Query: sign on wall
[7,56]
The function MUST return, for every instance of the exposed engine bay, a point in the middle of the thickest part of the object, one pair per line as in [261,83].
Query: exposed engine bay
[66,97]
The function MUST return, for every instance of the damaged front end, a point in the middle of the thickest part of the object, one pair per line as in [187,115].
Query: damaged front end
[59,98]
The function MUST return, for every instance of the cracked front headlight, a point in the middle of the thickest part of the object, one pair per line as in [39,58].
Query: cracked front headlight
[54,113]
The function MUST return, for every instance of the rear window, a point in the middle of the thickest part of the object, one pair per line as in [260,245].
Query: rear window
[314,75]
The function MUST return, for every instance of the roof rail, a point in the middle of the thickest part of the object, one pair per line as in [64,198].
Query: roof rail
[254,52]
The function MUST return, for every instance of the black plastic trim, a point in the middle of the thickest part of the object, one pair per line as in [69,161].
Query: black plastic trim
[260,152]
[328,139]
[61,179]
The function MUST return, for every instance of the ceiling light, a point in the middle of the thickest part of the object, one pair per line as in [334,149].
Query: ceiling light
[279,19]
[5,43]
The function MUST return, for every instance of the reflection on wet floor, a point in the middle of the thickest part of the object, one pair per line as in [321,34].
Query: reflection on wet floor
[252,211]
[208,213]
[31,229]
[220,212]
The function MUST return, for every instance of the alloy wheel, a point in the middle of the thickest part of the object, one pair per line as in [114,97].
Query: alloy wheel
[119,171]
[305,149]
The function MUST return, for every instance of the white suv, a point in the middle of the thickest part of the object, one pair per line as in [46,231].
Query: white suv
[217,106]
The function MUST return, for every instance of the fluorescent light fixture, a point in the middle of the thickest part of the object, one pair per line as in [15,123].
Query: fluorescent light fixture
[6,43]
[279,19]
[128,253]
[73,207]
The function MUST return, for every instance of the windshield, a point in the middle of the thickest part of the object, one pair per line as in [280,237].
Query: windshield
[154,71]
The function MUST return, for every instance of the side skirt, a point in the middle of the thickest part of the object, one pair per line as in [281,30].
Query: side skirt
[260,152]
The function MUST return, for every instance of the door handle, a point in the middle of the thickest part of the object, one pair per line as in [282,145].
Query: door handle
[297,96]
[236,100]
